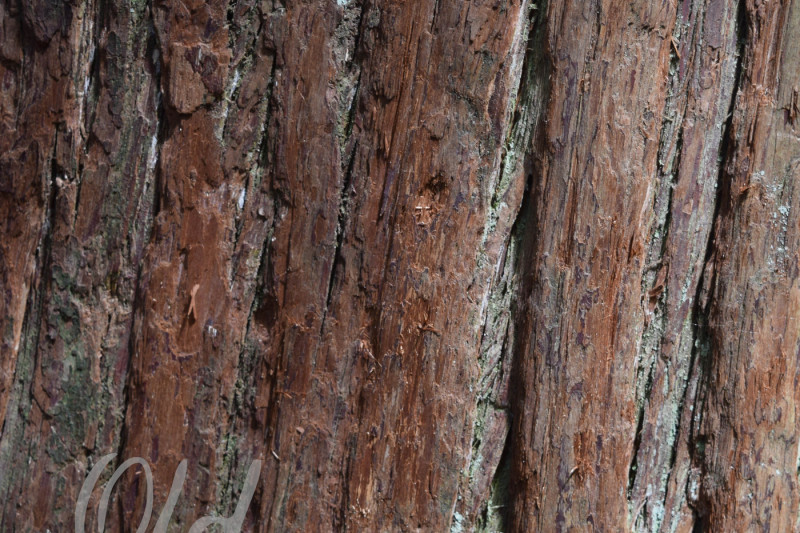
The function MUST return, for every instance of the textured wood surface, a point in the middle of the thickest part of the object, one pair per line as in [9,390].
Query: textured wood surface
[493,265]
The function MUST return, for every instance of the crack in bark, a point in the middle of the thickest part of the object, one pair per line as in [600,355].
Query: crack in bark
[647,513]
[527,102]
[668,164]
[90,91]
[703,339]
[150,157]
[340,230]
[254,177]
[348,97]
[246,365]
[23,380]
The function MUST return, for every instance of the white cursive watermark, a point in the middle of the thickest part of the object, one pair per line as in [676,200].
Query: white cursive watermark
[232,524]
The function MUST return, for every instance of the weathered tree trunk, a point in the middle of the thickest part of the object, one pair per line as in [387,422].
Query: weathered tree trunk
[440,265]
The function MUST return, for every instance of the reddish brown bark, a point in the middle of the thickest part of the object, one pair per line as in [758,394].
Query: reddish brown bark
[748,434]
[486,265]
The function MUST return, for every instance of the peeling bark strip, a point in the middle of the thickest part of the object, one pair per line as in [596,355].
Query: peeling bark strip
[438,265]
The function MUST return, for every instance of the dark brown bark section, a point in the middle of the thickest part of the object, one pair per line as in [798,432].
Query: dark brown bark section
[79,112]
[439,265]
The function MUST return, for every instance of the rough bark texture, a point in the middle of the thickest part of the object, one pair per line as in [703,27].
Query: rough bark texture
[442,265]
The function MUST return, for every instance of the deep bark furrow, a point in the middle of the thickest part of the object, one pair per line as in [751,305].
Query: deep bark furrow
[491,423]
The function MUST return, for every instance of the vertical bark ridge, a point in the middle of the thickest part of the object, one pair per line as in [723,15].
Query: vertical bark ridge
[746,445]
[702,88]
[68,389]
[579,306]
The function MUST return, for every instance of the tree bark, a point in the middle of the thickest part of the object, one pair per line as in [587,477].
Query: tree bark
[439,265]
